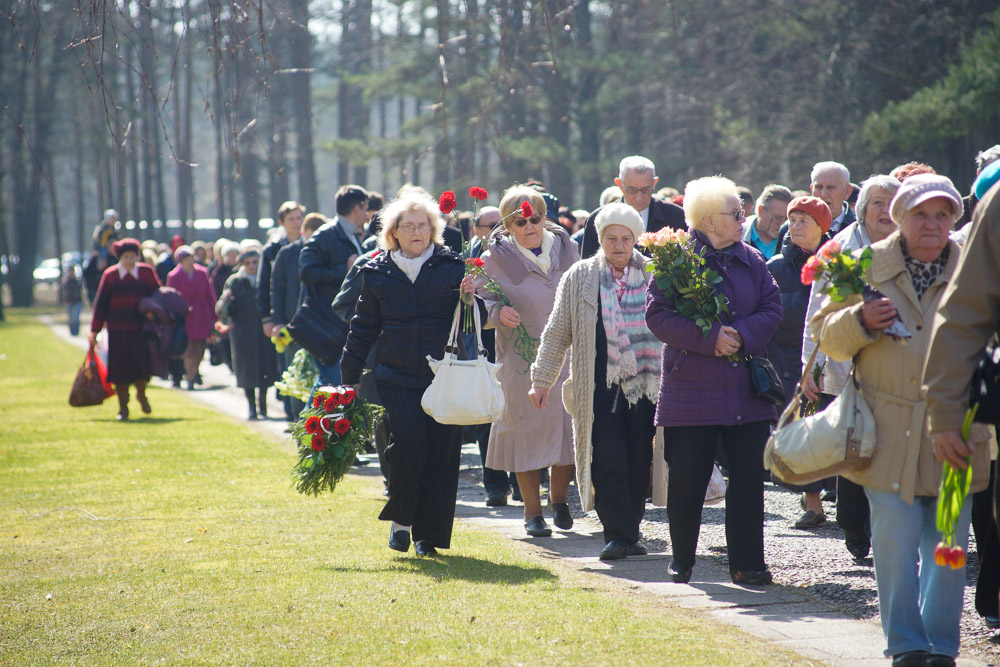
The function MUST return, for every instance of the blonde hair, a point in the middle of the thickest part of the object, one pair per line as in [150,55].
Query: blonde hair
[516,195]
[705,197]
[413,200]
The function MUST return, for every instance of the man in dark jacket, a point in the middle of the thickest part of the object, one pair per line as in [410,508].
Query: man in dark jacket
[637,179]
[327,257]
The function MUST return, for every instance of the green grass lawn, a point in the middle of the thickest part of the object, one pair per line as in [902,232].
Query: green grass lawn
[178,539]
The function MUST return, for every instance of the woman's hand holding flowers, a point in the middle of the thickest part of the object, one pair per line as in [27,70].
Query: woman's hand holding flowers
[509,317]
[728,342]
[877,314]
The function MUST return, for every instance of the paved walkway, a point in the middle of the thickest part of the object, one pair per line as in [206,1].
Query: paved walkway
[784,615]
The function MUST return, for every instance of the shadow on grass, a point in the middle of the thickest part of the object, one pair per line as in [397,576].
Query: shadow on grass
[465,568]
[143,420]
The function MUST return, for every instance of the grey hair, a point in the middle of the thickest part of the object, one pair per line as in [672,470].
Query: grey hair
[609,194]
[987,156]
[773,191]
[822,167]
[635,163]
[878,181]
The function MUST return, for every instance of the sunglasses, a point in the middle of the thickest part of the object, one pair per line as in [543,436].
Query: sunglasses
[535,220]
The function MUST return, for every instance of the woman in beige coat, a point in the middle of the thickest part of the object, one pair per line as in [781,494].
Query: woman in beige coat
[920,603]
[614,377]
[528,258]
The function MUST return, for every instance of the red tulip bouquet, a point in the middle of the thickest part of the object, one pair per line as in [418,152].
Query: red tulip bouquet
[955,486]
[329,434]
[845,276]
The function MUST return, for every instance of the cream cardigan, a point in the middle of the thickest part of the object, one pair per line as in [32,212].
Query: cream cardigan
[573,323]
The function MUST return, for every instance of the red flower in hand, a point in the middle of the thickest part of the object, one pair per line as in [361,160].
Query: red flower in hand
[318,443]
[342,426]
[526,209]
[332,402]
[317,401]
[478,193]
[447,202]
[348,397]
[475,262]
[312,425]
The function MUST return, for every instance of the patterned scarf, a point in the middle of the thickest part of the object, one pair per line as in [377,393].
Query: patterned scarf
[925,274]
[633,351]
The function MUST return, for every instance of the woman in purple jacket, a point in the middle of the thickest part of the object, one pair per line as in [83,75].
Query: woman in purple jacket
[705,399]
[192,281]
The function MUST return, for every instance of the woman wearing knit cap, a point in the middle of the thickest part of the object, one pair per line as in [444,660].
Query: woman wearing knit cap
[528,257]
[874,223]
[614,377]
[920,603]
[192,281]
[809,221]
[116,307]
[706,398]
[239,316]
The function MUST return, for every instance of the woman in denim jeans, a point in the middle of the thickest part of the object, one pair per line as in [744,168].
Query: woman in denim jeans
[920,603]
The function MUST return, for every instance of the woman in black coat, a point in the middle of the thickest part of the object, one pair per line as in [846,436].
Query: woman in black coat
[809,222]
[408,297]
[253,355]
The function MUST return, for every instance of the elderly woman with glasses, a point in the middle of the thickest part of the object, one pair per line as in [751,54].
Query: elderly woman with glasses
[528,257]
[920,603]
[409,293]
[706,399]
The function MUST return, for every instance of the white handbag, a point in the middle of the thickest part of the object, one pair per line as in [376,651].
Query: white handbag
[837,441]
[463,392]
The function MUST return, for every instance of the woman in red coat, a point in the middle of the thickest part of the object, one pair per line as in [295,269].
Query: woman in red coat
[116,306]
[193,282]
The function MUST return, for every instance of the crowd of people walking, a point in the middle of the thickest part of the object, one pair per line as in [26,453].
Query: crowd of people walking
[626,395]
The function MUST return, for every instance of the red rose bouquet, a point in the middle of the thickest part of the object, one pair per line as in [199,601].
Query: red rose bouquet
[329,434]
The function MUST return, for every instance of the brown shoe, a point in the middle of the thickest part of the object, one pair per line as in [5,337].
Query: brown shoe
[810,520]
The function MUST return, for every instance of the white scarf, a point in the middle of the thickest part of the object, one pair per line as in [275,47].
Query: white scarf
[543,261]
[411,267]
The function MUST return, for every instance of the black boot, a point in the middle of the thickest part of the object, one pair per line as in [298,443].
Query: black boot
[122,391]
[251,403]
[262,402]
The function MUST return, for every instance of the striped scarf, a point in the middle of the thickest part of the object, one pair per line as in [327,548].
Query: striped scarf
[633,351]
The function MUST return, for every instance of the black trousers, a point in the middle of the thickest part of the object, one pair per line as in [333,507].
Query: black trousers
[853,512]
[988,547]
[423,460]
[690,453]
[622,439]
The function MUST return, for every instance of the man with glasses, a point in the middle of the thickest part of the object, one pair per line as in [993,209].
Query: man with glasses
[637,180]
[762,231]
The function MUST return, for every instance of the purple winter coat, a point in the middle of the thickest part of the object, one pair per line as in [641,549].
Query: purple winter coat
[698,388]
[197,291]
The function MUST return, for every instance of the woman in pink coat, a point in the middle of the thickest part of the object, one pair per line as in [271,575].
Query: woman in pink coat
[193,282]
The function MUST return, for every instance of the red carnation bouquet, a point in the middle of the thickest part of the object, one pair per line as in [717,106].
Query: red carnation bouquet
[329,434]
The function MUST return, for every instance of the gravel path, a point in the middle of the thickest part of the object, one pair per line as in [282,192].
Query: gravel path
[814,560]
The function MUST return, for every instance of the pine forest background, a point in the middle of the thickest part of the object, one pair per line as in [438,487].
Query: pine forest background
[172,111]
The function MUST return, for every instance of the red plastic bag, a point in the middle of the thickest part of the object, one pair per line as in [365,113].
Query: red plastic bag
[91,385]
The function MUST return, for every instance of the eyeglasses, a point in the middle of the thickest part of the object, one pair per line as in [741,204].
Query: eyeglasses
[535,220]
[410,228]
[737,214]
[485,226]
[635,191]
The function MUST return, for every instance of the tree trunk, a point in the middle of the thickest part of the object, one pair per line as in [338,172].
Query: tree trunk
[299,82]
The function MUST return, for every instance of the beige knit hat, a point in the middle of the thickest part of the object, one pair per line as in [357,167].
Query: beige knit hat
[618,214]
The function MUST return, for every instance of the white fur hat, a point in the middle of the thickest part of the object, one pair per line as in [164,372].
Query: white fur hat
[618,214]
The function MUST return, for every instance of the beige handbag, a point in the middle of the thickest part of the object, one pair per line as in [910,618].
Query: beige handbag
[464,392]
[837,440]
